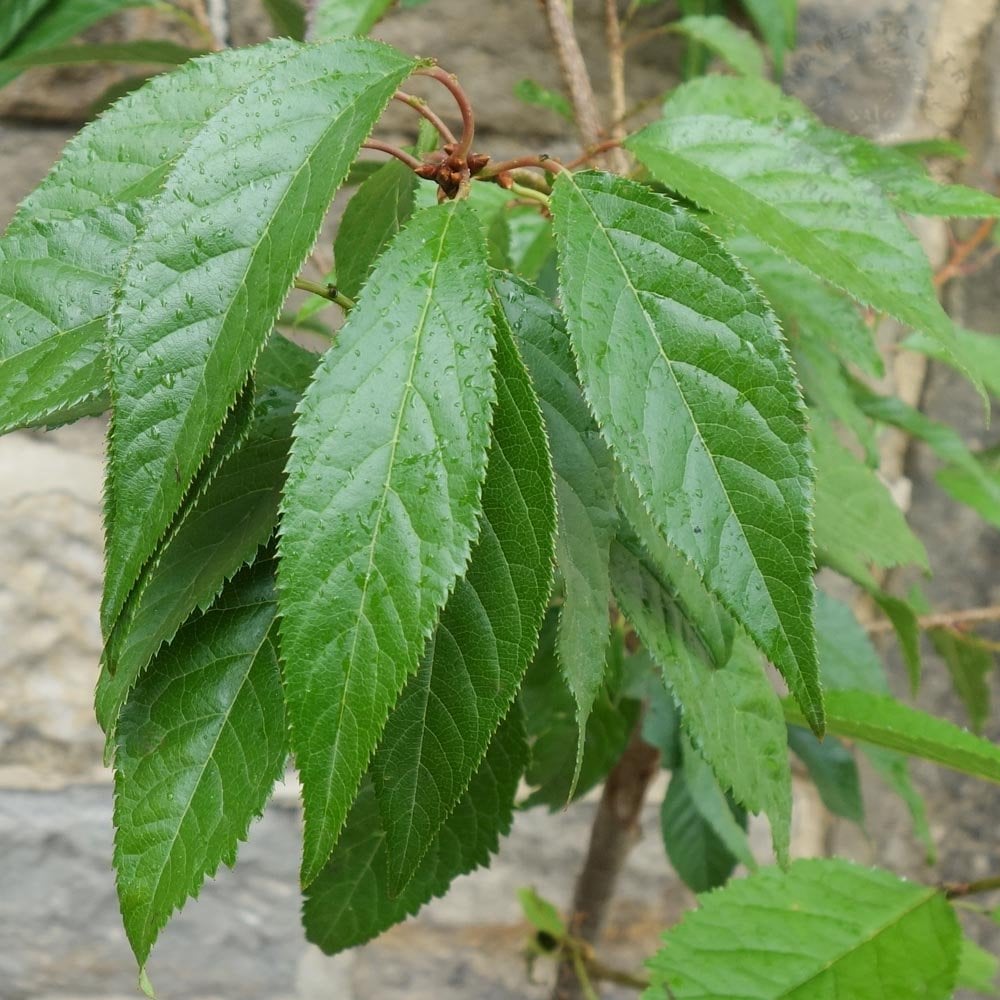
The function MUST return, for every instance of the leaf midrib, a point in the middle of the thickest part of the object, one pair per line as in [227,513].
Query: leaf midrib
[600,227]
[405,396]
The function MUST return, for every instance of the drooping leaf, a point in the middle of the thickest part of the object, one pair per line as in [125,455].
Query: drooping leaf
[206,277]
[860,715]
[969,662]
[731,714]
[847,658]
[333,18]
[684,367]
[139,51]
[200,744]
[373,217]
[348,903]
[114,684]
[803,200]
[447,714]
[553,734]
[218,531]
[382,501]
[55,23]
[584,478]
[833,771]
[979,349]
[824,928]
[736,46]
[63,253]
[14,15]
[288,17]
[857,522]
[775,19]
[807,307]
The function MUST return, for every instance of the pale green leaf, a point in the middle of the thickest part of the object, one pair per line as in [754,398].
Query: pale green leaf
[200,744]
[847,658]
[140,51]
[857,522]
[859,715]
[541,914]
[775,19]
[382,501]
[731,714]
[332,18]
[977,969]
[447,714]
[802,199]
[685,369]
[982,350]
[63,253]
[970,662]
[348,903]
[219,248]
[57,22]
[833,771]
[373,217]
[533,93]
[736,46]
[217,532]
[824,928]
[584,478]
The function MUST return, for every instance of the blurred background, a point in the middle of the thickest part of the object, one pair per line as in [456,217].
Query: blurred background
[892,69]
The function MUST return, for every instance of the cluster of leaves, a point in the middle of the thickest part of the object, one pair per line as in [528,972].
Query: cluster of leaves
[394,561]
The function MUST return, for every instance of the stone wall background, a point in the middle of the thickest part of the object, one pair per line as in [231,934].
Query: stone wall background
[890,68]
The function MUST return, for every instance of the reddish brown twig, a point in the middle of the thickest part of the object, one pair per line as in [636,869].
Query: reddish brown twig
[961,250]
[450,81]
[421,107]
[945,619]
[588,155]
[955,890]
[384,147]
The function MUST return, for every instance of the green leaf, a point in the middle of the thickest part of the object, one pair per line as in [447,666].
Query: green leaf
[331,18]
[288,17]
[857,522]
[893,768]
[803,200]
[900,176]
[533,93]
[58,21]
[447,714]
[833,771]
[550,714]
[847,658]
[859,715]
[541,914]
[977,969]
[63,253]
[684,367]
[775,19]
[348,903]
[14,16]
[140,51]
[731,714]
[824,928]
[808,308]
[584,478]
[216,534]
[736,46]
[200,744]
[373,217]
[979,349]
[970,663]
[247,197]
[380,513]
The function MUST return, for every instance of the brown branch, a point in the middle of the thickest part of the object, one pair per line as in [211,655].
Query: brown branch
[615,831]
[421,107]
[955,890]
[450,81]
[961,251]
[540,162]
[945,619]
[588,155]
[616,67]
